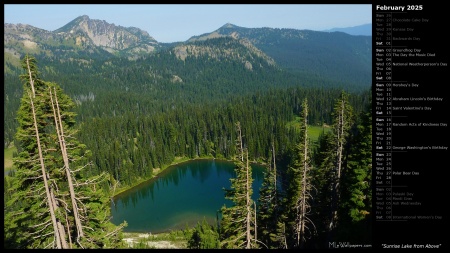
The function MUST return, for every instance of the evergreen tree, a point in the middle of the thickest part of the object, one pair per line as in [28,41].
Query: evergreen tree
[280,237]
[52,200]
[268,205]
[356,206]
[343,120]
[322,176]
[298,196]
[238,226]
[32,218]
[204,236]
[331,159]
[359,171]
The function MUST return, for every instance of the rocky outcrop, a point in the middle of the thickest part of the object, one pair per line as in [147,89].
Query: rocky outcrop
[81,34]
[109,36]
[228,48]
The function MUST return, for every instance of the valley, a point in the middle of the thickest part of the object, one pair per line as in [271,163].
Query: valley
[133,106]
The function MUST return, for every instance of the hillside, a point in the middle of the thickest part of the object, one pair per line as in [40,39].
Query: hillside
[333,56]
[99,64]
[365,30]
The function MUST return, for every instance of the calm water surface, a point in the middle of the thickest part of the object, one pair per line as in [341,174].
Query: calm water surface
[181,195]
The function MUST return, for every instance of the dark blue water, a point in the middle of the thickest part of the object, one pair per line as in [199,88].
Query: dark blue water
[180,196]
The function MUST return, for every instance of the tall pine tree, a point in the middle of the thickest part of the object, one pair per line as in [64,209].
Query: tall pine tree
[54,202]
[298,196]
[330,159]
[342,123]
[268,205]
[356,208]
[238,226]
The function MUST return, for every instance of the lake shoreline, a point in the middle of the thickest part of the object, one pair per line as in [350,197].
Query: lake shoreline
[159,171]
[174,163]
[162,240]
[221,169]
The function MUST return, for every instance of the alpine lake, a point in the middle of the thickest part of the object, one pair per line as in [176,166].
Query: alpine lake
[180,196]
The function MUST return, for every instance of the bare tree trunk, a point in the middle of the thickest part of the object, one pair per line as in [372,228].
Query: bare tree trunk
[60,132]
[341,143]
[249,211]
[62,235]
[284,236]
[241,153]
[256,226]
[52,195]
[31,78]
[304,182]
[68,231]
[274,169]
[61,231]
[60,241]
[336,188]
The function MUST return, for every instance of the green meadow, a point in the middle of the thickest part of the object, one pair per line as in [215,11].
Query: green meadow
[8,165]
[313,131]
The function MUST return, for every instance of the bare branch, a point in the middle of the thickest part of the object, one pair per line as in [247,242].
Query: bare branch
[50,244]
[115,231]
[39,236]
[46,223]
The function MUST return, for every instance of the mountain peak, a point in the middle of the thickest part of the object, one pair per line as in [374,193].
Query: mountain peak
[229,25]
[109,36]
[83,17]
[76,22]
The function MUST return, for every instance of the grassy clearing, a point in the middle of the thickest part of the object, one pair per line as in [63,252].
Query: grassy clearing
[8,162]
[313,131]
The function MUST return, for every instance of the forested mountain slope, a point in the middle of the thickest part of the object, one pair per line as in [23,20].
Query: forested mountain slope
[109,69]
[336,56]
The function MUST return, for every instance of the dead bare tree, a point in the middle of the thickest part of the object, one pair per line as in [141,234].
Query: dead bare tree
[30,76]
[303,206]
[51,202]
[62,144]
[340,138]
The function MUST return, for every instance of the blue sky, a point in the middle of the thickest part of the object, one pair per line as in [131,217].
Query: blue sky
[178,22]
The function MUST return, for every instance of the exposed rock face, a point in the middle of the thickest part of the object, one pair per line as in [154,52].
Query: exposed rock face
[248,65]
[176,79]
[231,48]
[82,33]
[20,39]
[108,35]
